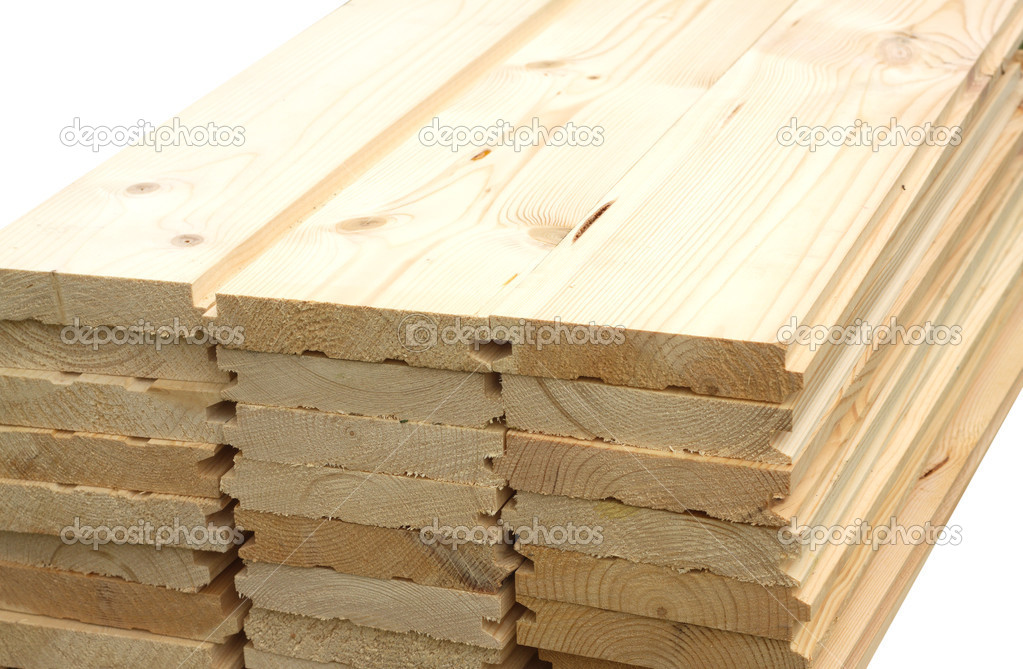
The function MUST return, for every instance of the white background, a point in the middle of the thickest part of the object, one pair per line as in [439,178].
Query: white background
[115,62]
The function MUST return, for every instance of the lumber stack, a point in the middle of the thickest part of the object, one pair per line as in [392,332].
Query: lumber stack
[503,405]
[117,546]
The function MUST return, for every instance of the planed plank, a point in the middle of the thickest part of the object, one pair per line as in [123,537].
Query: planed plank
[300,436]
[168,567]
[375,552]
[315,114]
[393,605]
[334,642]
[389,391]
[152,408]
[28,640]
[430,236]
[111,461]
[214,614]
[33,345]
[383,500]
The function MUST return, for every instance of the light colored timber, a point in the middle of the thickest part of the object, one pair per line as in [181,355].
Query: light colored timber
[153,518]
[260,659]
[656,479]
[152,408]
[722,487]
[389,391]
[168,567]
[113,461]
[429,236]
[767,245]
[41,642]
[376,552]
[301,436]
[658,644]
[214,614]
[696,597]
[152,234]
[359,497]
[347,644]
[394,605]
[34,345]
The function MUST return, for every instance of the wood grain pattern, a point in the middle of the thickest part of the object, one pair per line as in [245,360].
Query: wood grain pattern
[178,410]
[214,614]
[394,605]
[345,643]
[28,640]
[315,113]
[375,552]
[389,391]
[359,497]
[184,468]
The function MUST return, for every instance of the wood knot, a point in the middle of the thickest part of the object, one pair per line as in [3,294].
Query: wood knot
[187,240]
[361,223]
[548,235]
[144,188]
[896,50]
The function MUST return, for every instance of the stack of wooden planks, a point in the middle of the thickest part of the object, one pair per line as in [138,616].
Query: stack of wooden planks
[484,398]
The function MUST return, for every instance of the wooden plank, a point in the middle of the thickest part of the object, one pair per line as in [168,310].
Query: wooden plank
[432,235]
[184,468]
[341,642]
[50,508]
[359,497]
[375,552]
[214,614]
[315,114]
[389,391]
[696,597]
[394,605]
[28,640]
[153,408]
[646,642]
[34,345]
[768,251]
[168,567]
[301,436]
[721,487]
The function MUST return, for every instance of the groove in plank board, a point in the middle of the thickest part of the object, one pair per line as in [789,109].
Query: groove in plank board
[28,640]
[375,552]
[112,461]
[341,641]
[394,390]
[565,661]
[696,597]
[394,605]
[428,236]
[34,345]
[151,408]
[724,488]
[168,567]
[37,507]
[213,614]
[365,498]
[658,644]
[667,420]
[866,614]
[765,241]
[316,113]
[301,436]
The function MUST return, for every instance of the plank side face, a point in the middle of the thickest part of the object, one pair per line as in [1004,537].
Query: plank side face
[149,234]
[723,233]
[440,233]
